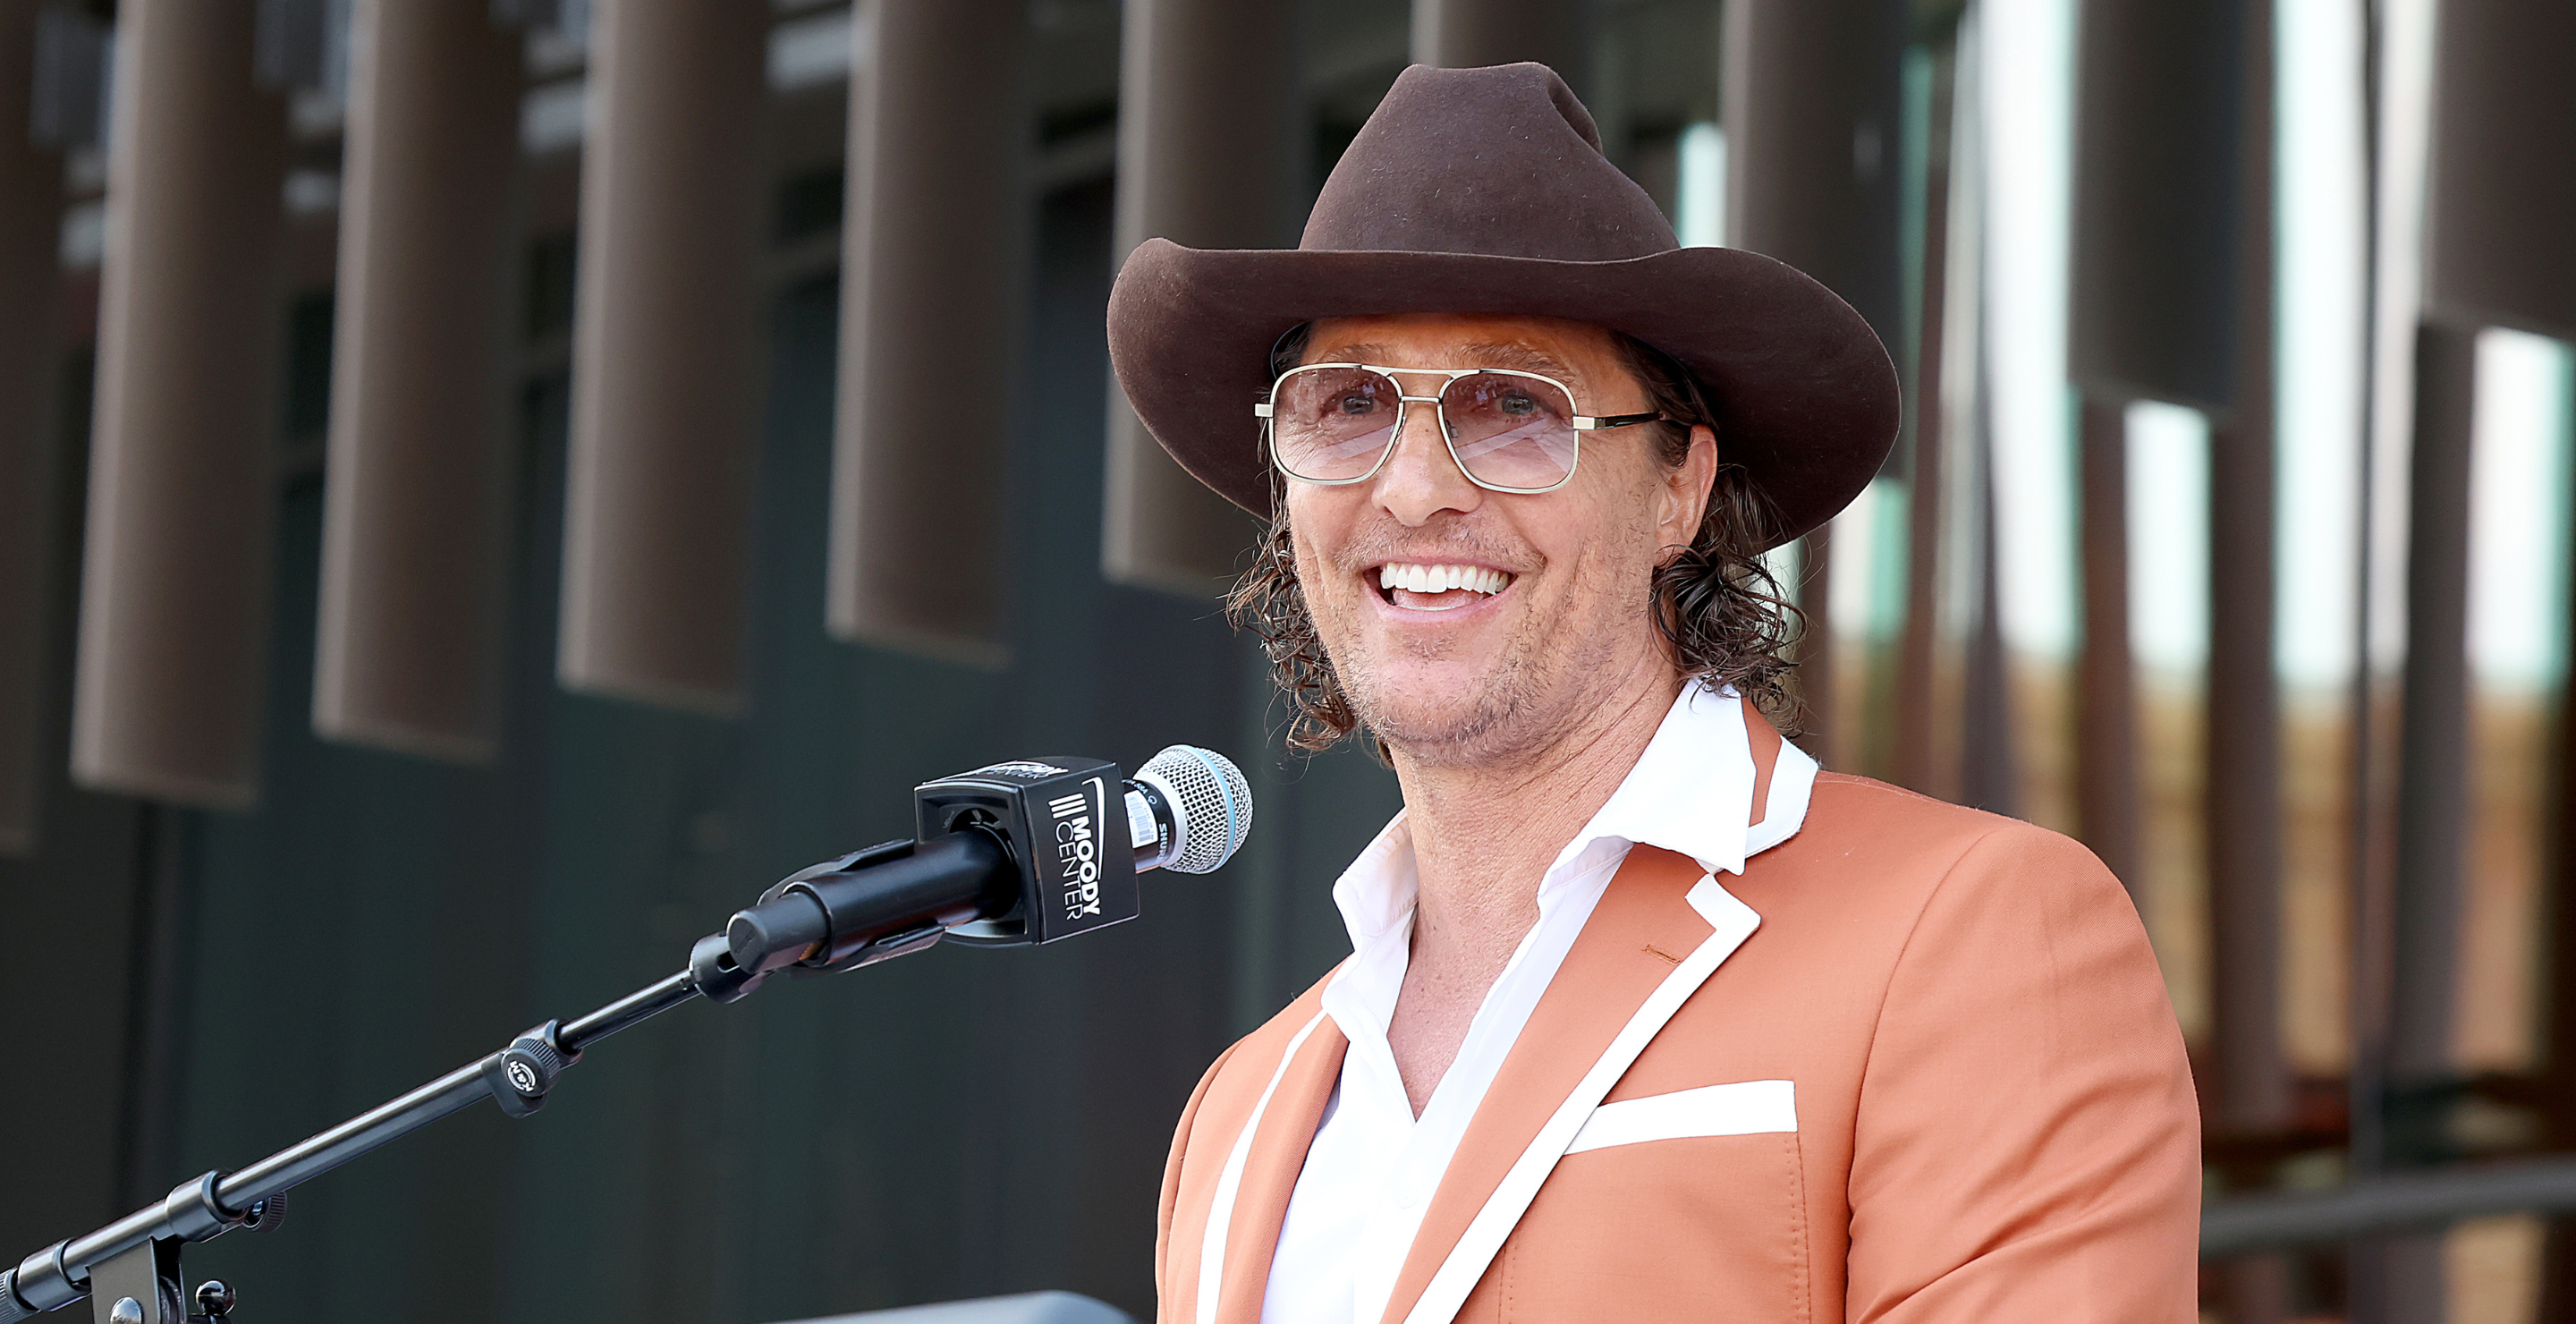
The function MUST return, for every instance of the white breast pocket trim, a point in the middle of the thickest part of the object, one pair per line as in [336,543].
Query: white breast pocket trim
[1751,1107]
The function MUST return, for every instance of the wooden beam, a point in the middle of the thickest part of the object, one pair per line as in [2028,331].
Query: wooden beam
[183,487]
[415,503]
[1813,93]
[31,219]
[932,290]
[2241,808]
[1209,155]
[2106,710]
[2433,773]
[2161,92]
[666,354]
[2501,200]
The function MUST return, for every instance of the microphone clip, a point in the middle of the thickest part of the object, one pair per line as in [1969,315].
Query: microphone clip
[1065,822]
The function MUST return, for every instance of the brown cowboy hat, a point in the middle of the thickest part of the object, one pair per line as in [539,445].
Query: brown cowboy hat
[1485,191]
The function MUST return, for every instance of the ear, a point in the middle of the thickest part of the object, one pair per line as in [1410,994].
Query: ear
[1683,502]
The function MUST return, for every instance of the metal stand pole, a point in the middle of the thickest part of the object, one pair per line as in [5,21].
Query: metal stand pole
[130,1268]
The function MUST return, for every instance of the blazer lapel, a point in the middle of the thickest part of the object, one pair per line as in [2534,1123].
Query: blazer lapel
[1282,1131]
[1653,938]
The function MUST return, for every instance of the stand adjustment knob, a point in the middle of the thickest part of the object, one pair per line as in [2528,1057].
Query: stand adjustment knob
[214,1299]
[11,1308]
[266,1215]
[520,1075]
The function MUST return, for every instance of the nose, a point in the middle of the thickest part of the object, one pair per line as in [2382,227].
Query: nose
[1421,479]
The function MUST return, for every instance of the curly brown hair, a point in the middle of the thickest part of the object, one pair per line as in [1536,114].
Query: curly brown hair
[1717,604]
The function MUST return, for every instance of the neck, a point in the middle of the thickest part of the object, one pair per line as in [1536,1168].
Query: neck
[1484,833]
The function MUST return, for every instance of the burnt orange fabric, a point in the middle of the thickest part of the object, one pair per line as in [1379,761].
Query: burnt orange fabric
[1995,1118]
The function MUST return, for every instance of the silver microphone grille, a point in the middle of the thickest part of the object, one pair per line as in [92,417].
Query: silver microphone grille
[1210,800]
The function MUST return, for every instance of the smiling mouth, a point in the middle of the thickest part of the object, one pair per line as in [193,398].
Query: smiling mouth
[1420,587]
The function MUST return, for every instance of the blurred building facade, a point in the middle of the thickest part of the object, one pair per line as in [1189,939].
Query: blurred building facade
[487,485]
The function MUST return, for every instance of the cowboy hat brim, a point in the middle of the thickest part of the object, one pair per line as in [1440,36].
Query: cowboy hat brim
[1805,397]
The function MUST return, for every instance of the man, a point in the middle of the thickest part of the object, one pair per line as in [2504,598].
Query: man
[1645,1018]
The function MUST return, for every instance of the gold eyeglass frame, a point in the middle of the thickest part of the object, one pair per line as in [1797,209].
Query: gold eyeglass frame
[1581,423]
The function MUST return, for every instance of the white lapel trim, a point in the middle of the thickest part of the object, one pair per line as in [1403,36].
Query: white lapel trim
[1784,810]
[1732,922]
[1744,1108]
[1230,1181]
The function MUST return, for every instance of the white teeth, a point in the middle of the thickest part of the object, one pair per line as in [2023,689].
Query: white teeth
[1416,578]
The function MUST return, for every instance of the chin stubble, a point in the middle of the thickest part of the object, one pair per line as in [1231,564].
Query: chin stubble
[1499,720]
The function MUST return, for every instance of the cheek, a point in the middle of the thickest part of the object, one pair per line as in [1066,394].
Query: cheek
[1619,533]
[1315,580]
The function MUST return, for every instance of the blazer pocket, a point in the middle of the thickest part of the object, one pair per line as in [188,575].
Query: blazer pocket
[1750,1107]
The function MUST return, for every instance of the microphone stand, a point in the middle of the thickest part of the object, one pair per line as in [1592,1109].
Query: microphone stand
[1009,854]
[130,1268]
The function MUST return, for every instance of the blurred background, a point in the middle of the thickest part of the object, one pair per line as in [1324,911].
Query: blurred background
[488,485]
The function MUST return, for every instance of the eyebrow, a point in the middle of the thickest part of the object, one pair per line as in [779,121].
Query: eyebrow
[1525,359]
[1490,355]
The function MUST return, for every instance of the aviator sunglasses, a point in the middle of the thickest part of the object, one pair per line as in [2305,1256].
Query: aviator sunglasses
[1509,431]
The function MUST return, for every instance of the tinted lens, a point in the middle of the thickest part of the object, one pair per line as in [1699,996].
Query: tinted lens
[1332,423]
[1510,431]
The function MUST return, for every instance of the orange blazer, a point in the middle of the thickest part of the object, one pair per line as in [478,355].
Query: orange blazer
[1993,1118]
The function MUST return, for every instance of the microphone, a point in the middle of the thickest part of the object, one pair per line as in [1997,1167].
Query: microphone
[1009,854]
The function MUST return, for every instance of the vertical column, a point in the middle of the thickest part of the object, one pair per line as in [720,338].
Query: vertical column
[1814,679]
[2499,207]
[31,218]
[2160,93]
[2558,1280]
[2172,302]
[1926,746]
[1469,34]
[175,583]
[1812,94]
[931,294]
[2433,771]
[1813,103]
[2401,1278]
[2241,786]
[2106,712]
[666,353]
[2242,789]
[1207,157]
[414,510]
[2502,196]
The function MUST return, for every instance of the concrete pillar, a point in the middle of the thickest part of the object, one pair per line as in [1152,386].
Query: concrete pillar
[31,218]
[932,284]
[1208,156]
[183,486]
[415,510]
[666,353]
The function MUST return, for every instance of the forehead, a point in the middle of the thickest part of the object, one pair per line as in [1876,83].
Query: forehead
[1466,340]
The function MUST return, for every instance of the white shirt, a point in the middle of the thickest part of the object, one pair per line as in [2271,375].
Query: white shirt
[1369,1176]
